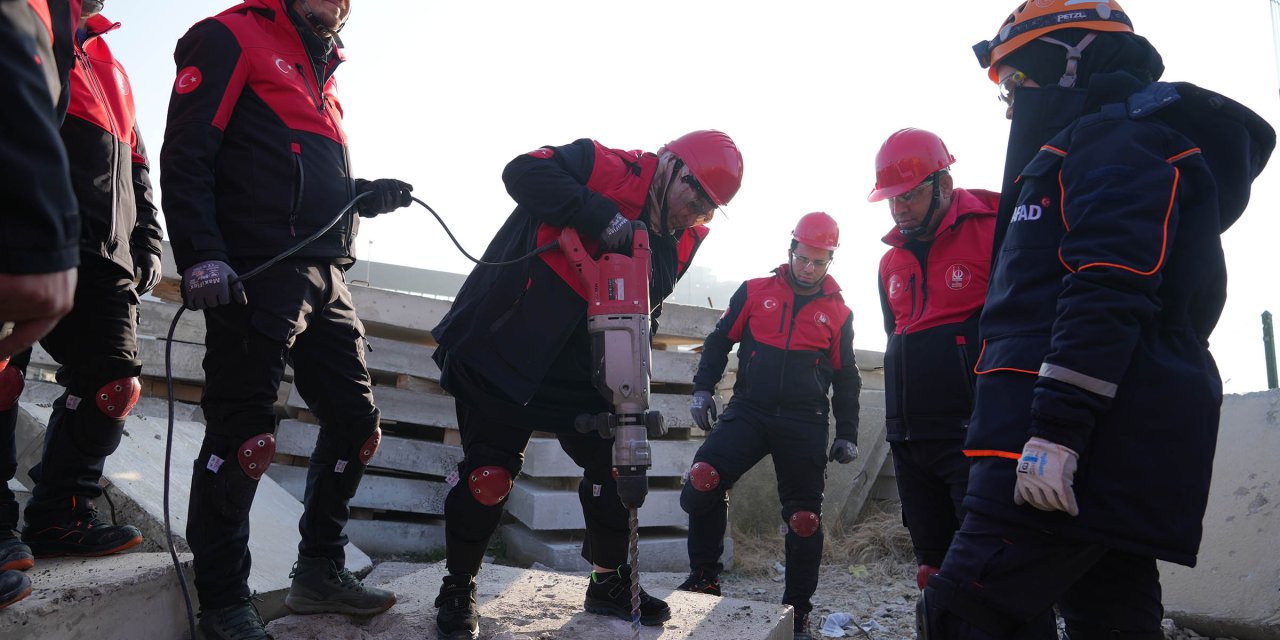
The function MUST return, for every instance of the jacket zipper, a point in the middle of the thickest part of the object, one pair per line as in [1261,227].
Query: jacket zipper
[101,96]
[299,185]
[316,97]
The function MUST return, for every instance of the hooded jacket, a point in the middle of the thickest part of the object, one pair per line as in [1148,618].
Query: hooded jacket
[931,294]
[523,326]
[254,157]
[109,168]
[1095,333]
[789,357]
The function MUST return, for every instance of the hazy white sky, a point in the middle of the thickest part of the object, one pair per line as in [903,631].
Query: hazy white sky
[443,94]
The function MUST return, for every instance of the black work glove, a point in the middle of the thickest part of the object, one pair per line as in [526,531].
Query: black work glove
[617,236]
[843,451]
[211,283]
[388,195]
[147,268]
[703,410]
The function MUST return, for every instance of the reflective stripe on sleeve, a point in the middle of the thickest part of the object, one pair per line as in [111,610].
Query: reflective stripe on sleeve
[1077,379]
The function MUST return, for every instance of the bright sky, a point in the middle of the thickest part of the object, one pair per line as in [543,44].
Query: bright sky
[444,94]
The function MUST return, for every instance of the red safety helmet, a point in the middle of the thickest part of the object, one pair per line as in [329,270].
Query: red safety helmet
[905,160]
[713,159]
[817,230]
[1036,18]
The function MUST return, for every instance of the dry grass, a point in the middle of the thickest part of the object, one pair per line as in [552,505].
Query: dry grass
[878,543]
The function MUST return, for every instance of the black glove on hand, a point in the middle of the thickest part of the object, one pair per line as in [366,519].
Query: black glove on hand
[388,195]
[703,410]
[211,283]
[147,267]
[617,236]
[843,451]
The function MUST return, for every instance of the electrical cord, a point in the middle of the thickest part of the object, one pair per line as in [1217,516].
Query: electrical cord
[168,366]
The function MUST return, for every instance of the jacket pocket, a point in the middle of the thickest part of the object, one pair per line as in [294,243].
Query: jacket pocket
[1018,353]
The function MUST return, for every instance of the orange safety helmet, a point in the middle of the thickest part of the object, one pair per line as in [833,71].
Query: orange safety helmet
[817,230]
[905,160]
[1035,18]
[713,159]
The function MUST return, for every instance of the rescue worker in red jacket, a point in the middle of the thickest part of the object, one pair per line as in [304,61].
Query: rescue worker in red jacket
[254,161]
[1097,403]
[96,344]
[795,345]
[515,353]
[933,281]
[40,244]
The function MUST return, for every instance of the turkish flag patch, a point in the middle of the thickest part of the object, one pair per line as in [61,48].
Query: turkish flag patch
[542,153]
[188,79]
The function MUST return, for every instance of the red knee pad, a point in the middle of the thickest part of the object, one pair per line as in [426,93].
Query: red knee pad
[489,485]
[11,385]
[116,398]
[804,523]
[256,453]
[370,446]
[704,477]
[922,575]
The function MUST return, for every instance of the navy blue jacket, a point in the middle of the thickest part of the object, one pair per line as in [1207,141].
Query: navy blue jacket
[1095,332]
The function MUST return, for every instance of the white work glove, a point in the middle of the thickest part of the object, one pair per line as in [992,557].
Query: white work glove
[1045,473]
[703,410]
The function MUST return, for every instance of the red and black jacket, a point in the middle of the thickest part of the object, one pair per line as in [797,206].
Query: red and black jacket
[789,356]
[931,294]
[41,225]
[521,324]
[254,156]
[109,168]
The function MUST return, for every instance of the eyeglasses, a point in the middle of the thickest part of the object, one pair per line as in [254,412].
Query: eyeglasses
[1008,84]
[803,263]
[916,192]
[703,201]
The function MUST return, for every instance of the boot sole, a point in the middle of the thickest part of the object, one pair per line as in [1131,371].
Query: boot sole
[19,565]
[305,608]
[39,550]
[607,608]
[26,592]
[461,634]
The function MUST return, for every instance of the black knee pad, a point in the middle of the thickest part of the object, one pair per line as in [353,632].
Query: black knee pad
[488,474]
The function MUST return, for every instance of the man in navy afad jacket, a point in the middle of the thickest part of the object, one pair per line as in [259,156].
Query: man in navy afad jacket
[254,161]
[795,345]
[515,353]
[933,281]
[1097,403]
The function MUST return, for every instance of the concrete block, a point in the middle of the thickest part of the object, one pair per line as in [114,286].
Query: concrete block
[134,476]
[400,316]
[405,405]
[544,458]
[297,438]
[661,549]
[541,507]
[525,603]
[1232,591]
[685,321]
[376,492]
[388,537]
[123,596]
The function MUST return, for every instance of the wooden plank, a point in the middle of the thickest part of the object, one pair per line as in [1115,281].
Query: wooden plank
[376,492]
[298,438]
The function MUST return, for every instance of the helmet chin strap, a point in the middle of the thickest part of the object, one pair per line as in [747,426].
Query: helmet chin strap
[315,22]
[919,229]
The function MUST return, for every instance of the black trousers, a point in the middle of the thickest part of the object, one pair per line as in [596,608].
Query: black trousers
[1001,580]
[299,312]
[495,432]
[9,451]
[932,477]
[95,344]
[743,437]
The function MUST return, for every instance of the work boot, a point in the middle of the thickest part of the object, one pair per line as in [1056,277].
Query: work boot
[321,586]
[239,621]
[82,536]
[457,619]
[14,555]
[701,582]
[14,586]
[610,595]
[801,627]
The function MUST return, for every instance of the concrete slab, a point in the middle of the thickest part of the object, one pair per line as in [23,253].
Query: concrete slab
[544,458]
[298,438]
[388,537]
[1232,590]
[134,476]
[527,604]
[661,548]
[543,507]
[125,596]
[375,492]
